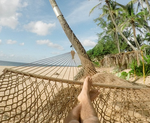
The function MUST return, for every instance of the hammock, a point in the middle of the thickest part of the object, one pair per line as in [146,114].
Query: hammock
[46,90]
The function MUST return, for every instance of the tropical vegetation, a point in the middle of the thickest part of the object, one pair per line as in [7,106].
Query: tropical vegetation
[124,28]
[138,70]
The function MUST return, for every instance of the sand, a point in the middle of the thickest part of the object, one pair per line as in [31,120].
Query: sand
[139,80]
[107,74]
[3,67]
[103,71]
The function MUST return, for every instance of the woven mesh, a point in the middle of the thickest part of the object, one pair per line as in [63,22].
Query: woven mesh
[27,96]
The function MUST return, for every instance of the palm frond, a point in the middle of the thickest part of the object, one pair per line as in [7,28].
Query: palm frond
[138,5]
[139,29]
[124,25]
[133,1]
[95,8]
[102,15]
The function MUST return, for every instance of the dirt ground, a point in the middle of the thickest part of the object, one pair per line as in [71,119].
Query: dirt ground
[112,70]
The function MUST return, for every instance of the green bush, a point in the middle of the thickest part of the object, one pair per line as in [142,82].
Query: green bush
[96,64]
[139,69]
[124,75]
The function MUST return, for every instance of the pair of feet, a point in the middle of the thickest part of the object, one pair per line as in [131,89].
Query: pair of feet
[86,93]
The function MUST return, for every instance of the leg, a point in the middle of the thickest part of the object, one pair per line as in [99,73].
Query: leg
[74,115]
[88,113]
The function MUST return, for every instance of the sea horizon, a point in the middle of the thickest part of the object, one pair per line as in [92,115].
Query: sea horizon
[11,63]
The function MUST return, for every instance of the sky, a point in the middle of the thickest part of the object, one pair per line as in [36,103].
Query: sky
[30,31]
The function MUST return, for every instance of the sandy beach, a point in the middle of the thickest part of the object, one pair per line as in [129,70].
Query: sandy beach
[62,72]
[23,91]
[31,96]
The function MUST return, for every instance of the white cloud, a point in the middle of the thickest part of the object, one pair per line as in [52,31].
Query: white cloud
[10,22]
[81,13]
[39,27]
[22,44]
[0,41]
[88,43]
[8,12]
[50,44]
[11,42]
[42,42]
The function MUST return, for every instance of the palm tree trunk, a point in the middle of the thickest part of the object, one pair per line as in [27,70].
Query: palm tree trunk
[135,39]
[73,39]
[107,2]
[116,36]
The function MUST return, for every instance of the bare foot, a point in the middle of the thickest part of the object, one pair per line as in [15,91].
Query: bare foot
[85,89]
[93,94]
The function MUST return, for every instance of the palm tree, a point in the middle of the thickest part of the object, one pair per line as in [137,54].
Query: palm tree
[146,13]
[111,28]
[72,38]
[136,20]
[130,18]
[108,3]
[108,30]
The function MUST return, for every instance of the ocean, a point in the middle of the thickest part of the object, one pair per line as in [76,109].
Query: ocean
[9,63]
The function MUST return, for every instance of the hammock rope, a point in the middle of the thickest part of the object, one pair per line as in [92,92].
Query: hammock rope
[45,91]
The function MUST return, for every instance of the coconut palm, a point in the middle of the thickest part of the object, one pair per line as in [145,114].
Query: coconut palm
[118,29]
[72,38]
[108,3]
[130,18]
[108,29]
[136,20]
[146,13]
[111,29]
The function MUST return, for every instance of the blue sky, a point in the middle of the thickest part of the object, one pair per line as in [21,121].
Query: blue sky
[30,31]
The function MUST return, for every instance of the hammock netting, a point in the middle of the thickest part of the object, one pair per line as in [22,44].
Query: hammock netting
[46,90]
